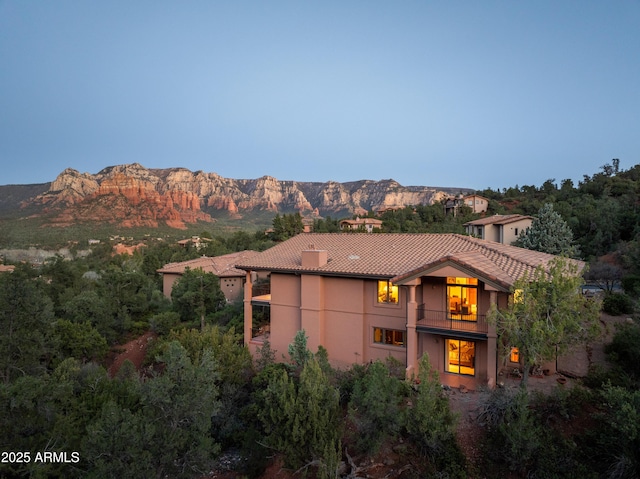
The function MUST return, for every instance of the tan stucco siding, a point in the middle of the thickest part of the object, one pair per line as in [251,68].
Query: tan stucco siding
[511,231]
[231,288]
[168,280]
[285,312]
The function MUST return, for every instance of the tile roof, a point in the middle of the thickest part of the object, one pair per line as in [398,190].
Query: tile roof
[498,220]
[221,266]
[400,256]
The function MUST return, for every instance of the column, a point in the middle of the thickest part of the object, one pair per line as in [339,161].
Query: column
[492,346]
[412,335]
[248,308]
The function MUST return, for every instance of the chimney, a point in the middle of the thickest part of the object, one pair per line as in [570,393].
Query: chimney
[314,258]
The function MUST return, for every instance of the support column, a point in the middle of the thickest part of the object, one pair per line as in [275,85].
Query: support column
[492,346]
[412,335]
[248,308]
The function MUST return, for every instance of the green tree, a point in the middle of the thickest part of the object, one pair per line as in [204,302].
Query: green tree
[374,407]
[196,294]
[301,419]
[80,340]
[549,233]
[287,226]
[547,314]
[26,322]
[430,421]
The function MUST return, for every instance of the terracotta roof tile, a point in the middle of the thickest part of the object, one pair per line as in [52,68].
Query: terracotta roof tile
[221,266]
[397,256]
[498,220]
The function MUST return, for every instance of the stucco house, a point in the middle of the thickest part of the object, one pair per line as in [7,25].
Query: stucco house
[477,203]
[231,278]
[503,229]
[369,296]
[368,224]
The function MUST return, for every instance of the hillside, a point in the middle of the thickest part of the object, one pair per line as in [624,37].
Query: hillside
[134,196]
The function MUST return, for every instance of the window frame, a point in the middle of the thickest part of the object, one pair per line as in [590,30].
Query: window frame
[452,282]
[384,334]
[447,357]
[390,290]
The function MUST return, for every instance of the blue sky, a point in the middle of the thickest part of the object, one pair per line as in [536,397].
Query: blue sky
[448,93]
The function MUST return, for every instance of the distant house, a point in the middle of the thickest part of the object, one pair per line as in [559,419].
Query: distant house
[503,229]
[231,279]
[196,241]
[372,296]
[477,203]
[367,224]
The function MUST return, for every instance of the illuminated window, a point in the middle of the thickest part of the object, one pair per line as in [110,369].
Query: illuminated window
[394,337]
[518,296]
[462,298]
[387,292]
[514,356]
[460,357]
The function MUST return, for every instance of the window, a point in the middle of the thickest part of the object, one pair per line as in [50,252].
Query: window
[387,292]
[518,296]
[516,231]
[514,356]
[462,298]
[393,337]
[460,357]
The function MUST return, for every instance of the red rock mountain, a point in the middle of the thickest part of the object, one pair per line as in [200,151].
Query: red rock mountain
[132,195]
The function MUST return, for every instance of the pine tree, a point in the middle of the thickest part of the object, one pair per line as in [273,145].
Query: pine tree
[549,233]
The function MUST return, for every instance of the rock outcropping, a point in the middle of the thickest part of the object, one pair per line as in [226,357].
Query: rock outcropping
[133,195]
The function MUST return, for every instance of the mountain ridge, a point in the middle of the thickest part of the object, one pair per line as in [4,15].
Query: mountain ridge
[132,195]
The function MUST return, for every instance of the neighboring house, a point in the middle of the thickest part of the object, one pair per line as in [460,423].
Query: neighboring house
[7,268]
[503,229]
[196,241]
[231,279]
[368,224]
[366,297]
[477,203]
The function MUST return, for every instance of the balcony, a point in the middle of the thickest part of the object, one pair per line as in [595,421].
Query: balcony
[442,321]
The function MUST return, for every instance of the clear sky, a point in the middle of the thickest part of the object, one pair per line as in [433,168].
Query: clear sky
[473,94]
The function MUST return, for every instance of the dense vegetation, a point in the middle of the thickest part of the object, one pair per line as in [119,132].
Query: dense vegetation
[200,395]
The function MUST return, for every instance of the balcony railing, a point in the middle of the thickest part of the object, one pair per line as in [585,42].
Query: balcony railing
[472,323]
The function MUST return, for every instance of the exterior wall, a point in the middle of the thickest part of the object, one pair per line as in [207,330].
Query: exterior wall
[344,331]
[477,203]
[168,280]
[285,311]
[511,231]
[232,287]
[387,316]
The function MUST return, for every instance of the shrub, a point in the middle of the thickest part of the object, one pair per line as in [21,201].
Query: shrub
[624,349]
[374,407]
[431,423]
[617,304]
[163,323]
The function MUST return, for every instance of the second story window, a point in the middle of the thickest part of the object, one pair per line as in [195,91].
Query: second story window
[387,292]
[462,298]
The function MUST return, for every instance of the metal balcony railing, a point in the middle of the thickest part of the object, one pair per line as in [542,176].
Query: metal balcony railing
[472,323]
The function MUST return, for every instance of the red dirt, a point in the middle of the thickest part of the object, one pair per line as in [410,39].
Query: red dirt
[135,351]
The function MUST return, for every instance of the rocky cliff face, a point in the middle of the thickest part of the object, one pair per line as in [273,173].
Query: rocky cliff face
[132,195]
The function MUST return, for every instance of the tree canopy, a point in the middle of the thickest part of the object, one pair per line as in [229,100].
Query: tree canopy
[547,314]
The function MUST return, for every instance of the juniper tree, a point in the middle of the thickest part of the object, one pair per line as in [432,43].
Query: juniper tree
[548,233]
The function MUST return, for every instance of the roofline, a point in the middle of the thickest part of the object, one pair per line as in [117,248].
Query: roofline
[452,261]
